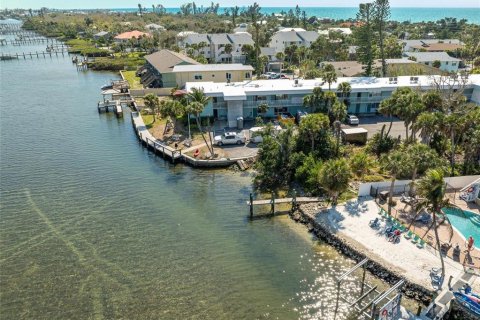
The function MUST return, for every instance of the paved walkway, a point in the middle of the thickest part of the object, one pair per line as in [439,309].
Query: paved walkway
[351,221]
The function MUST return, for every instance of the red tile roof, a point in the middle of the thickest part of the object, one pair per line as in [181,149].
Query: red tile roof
[132,34]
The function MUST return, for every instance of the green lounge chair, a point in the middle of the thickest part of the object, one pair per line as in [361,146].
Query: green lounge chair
[408,235]
[421,244]
[415,239]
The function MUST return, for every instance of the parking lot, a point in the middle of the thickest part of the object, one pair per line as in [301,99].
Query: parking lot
[374,124]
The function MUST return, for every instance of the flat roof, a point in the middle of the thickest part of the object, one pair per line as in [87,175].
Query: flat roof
[286,86]
[212,67]
[354,130]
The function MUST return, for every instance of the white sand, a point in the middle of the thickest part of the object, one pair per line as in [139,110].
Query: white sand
[351,221]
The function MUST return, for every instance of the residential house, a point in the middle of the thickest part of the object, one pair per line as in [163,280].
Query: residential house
[135,34]
[284,38]
[241,99]
[155,27]
[158,69]
[274,65]
[234,72]
[238,40]
[198,40]
[431,45]
[101,35]
[344,31]
[218,42]
[447,63]
[214,50]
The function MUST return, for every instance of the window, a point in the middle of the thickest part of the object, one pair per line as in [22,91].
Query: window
[247,75]
[278,110]
[259,98]
[214,99]
[454,63]
[198,77]
[281,97]
[446,63]
[228,75]
[359,95]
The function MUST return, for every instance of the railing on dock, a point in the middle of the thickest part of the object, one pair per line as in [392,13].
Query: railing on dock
[294,201]
[36,54]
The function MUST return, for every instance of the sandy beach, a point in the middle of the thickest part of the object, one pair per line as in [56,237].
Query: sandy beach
[351,222]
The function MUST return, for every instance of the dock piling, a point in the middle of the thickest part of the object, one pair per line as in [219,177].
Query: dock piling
[272,206]
[251,205]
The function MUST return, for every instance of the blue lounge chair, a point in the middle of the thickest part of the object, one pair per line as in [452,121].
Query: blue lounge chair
[415,239]
[408,235]
[421,244]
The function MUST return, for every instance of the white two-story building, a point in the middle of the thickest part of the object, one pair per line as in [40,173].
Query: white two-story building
[241,99]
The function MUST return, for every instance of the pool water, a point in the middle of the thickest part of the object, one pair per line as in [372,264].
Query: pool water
[468,223]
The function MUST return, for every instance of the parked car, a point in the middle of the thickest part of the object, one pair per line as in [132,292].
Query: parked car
[285,118]
[299,116]
[229,138]
[353,120]
[274,75]
[283,76]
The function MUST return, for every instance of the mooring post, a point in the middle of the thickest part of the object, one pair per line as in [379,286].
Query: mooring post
[251,205]
[294,200]
[338,299]
[419,310]
[272,203]
[363,279]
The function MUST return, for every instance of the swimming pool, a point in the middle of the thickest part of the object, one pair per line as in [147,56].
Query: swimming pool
[467,224]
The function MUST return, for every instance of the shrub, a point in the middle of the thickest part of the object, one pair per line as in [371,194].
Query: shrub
[373,178]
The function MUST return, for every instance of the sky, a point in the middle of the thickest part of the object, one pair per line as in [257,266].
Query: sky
[91,4]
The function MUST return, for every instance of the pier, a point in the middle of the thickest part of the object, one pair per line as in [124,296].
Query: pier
[294,201]
[37,54]
[115,105]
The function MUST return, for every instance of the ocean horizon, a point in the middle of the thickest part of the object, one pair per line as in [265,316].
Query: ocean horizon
[472,15]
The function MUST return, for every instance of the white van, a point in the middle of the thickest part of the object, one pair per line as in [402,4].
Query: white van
[255,133]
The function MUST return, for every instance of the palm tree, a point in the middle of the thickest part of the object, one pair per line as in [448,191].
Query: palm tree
[345,88]
[312,125]
[153,103]
[315,99]
[228,50]
[421,158]
[329,99]
[334,177]
[432,189]
[172,109]
[280,56]
[395,163]
[263,108]
[361,163]
[329,74]
[339,112]
[197,102]
[263,62]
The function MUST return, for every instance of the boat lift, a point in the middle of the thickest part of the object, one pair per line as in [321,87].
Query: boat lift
[372,304]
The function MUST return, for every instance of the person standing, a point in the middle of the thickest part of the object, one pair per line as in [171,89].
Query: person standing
[470,243]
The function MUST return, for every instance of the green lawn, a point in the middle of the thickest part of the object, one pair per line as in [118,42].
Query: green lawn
[132,79]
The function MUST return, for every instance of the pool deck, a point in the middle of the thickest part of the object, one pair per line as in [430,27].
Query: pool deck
[351,222]
[419,228]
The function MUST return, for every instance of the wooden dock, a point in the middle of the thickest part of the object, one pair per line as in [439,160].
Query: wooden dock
[294,201]
[151,142]
[36,54]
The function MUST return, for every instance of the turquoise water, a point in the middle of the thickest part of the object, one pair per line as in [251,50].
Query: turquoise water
[94,226]
[467,223]
[397,14]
